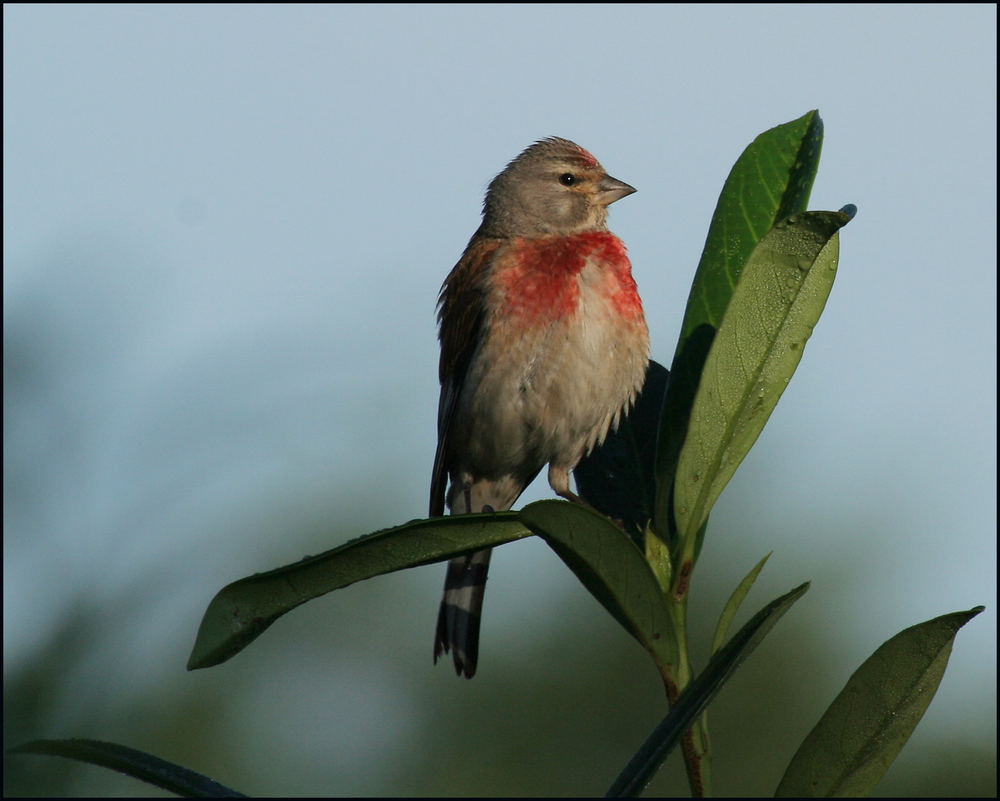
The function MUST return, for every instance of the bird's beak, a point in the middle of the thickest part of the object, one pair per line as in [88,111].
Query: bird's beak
[611,189]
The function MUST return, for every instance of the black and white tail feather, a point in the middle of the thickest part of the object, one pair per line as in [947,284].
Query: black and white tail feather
[461,611]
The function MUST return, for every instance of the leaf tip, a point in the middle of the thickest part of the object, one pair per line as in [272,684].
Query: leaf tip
[199,659]
[850,210]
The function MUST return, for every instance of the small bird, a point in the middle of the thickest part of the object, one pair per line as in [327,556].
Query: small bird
[544,347]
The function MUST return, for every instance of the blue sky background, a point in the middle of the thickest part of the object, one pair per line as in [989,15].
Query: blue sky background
[224,232]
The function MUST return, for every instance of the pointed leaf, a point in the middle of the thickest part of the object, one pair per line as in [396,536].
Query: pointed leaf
[858,737]
[241,611]
[733,604]
[770,181]
[779,299]
[647,760]
[145,767]
[611,567]
[617,477]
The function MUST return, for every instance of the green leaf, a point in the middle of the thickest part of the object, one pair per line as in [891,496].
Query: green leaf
[647,760]
[241,611]
[770,181]
[858,737]
[733,604]
[146,767]
[611,567]
[658,558]
[617,477]
[779,299]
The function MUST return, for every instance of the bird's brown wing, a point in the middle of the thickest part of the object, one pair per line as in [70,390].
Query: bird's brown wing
[460,319]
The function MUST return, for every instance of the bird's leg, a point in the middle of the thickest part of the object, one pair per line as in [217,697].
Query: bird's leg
[559,481]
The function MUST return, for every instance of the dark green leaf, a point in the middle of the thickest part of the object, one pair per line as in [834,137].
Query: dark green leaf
[137,764]
[733,604]
[770,181]
[617,477]
[610,565]
[756,349]
[858,737]
[241,611]
[647,760]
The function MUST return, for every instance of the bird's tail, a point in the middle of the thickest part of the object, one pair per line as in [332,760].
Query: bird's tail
[465,584]
[461,610]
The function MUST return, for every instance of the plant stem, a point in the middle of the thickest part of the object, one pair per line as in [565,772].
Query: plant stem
[694,745]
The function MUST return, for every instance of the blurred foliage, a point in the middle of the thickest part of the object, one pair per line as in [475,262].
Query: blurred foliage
[536,728]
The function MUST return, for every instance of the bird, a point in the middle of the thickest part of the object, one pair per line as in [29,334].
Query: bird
[544,347]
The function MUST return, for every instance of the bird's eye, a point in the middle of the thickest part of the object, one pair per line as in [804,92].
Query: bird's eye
[567,179]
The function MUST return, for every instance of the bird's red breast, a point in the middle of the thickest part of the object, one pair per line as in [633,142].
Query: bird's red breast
[540,278]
